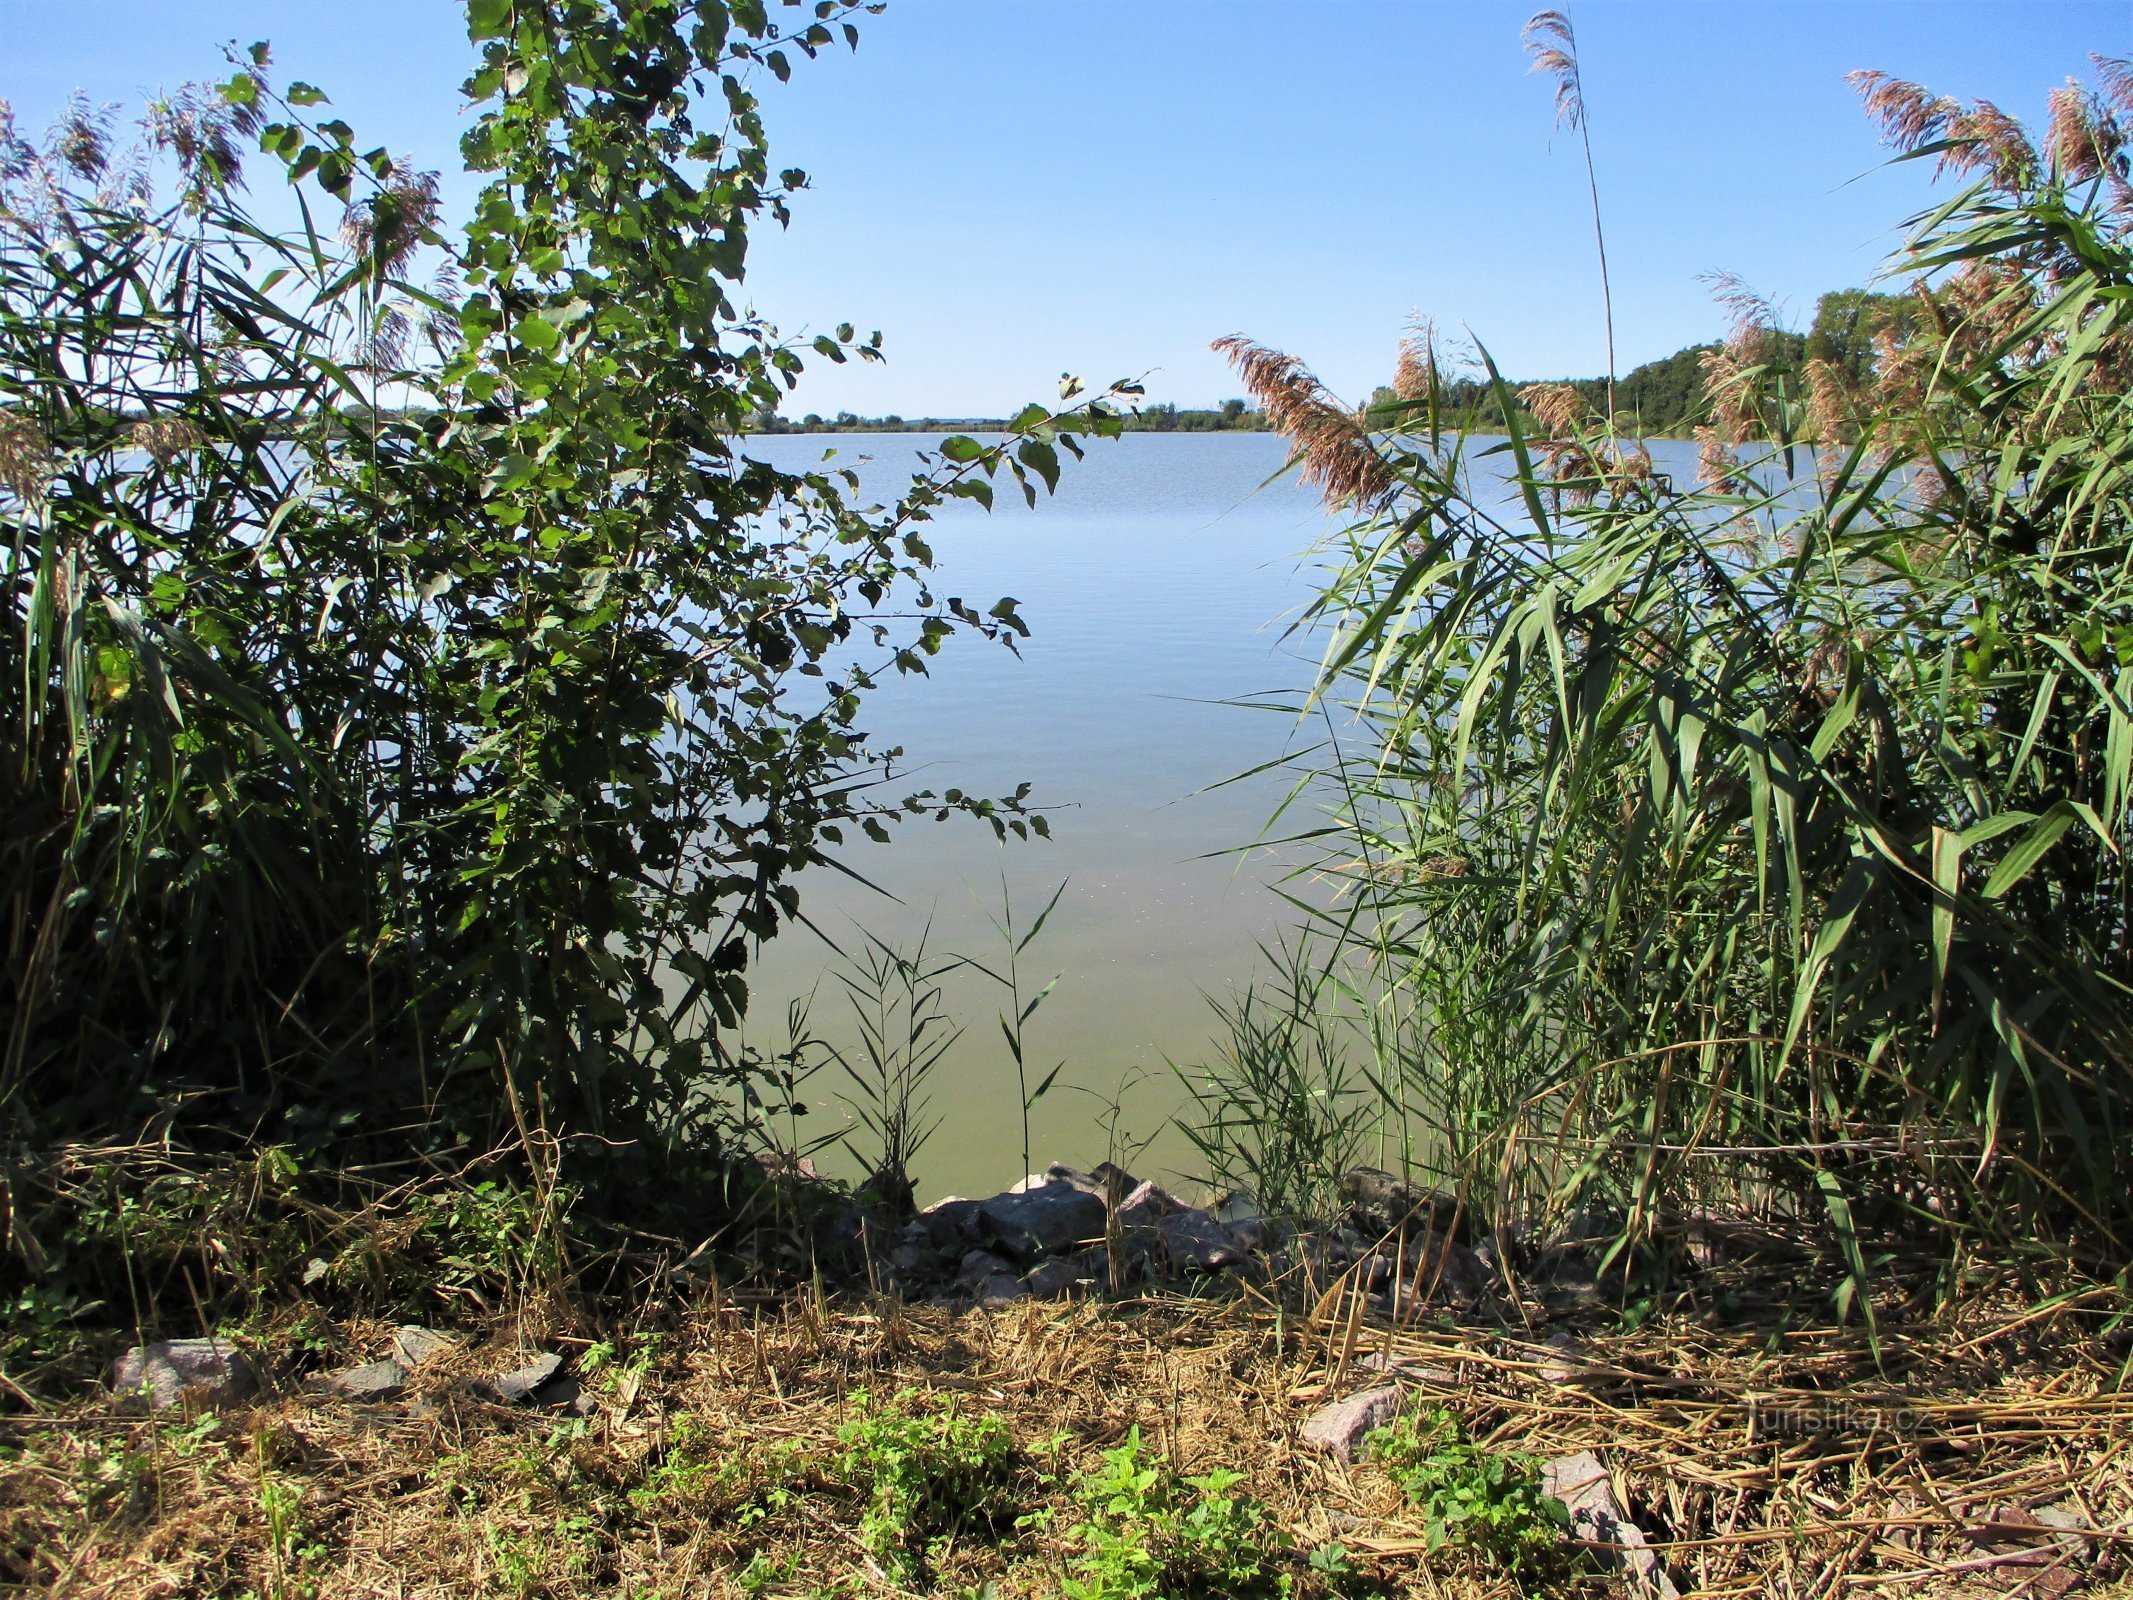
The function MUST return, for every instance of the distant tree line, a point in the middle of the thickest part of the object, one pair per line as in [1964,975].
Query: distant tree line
[1667,398]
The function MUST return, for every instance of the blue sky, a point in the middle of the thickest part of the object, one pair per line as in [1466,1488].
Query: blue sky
[1012,188]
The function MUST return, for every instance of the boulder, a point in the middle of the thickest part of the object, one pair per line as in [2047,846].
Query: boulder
[1106,1180]
[1342,1426]
[978,1265]
[952,1224]
[1060,1276]
[1050,1219]
[373,1382]
[1383,1204]
[415,1344]
[1001,1288]
[1147,1203]
[1439,1268]
[1598,1521]
[1193,1241]
[162,1374]
[1238,1211]
[521,1386]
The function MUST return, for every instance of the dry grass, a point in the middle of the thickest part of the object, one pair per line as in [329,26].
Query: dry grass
[1763,1464]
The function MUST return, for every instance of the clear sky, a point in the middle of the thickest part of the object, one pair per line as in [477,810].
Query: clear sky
[1012,188]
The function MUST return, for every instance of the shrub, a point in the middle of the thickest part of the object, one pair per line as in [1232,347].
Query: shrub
[1148,1531]
[423,700]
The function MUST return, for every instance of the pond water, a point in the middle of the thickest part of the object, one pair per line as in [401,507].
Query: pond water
[1158,585]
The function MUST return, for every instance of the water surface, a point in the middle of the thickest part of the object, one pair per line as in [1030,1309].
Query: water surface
[1158,584]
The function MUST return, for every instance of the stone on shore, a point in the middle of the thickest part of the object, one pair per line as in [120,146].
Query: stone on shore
[1050,1219]
[415,1344]
[1598,1520]
[521,1387]
[371,1383]
[160,1375]
[1342,1426]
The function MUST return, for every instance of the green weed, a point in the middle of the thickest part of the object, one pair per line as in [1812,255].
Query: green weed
[1149,1531]
[1471,1498]
[927,1472]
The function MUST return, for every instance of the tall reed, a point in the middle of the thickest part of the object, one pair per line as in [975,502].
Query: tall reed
[1762,841]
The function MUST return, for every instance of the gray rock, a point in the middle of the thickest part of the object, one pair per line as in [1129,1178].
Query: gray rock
[372,1382]
[1002,1288]
[519,1387]
[1598,1520]
[162,1374]
[1342,1426]
[952,1224]
[1106,1180]
[1442,1269]
[415,1344]
[1046,1220]
[1060,1276]
[909,1259]
[1238,1211]
[978,1265]
[1146,1204]
[1387,1204]
[1193,1241]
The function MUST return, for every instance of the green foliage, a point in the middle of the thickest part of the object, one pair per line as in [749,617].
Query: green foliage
[1149,1532]
[1847,324]
[1477,1500]
[1767,837]
[927,1472]
[423,701]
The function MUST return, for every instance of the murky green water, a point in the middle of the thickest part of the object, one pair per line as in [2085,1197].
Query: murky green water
[1157,584]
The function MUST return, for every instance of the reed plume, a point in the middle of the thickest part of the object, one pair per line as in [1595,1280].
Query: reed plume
[25,457]
[1418,374]
[2115,73]
[385,228]
[1557,407]
[2085,140]
[166,438]
[1330,439]
[1553,46]
[1717,468]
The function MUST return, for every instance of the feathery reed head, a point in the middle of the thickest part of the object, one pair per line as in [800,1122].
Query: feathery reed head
[1558,408]
[1992,142]
[1334,446]
[1717,467]
[1754,318]
[387,227]
[2115,73]
[2084,138]
[165,438]
[25,457]
[1910,117]
[1554,49]
[1420,370]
